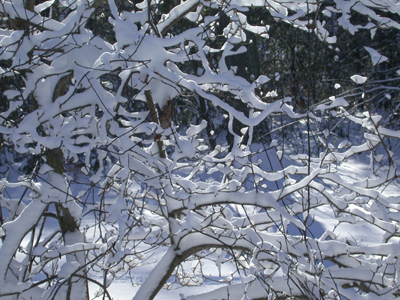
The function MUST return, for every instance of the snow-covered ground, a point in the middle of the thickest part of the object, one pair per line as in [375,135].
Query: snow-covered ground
[324,218]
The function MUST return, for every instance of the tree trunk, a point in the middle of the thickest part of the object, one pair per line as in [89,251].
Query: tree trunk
[68,211]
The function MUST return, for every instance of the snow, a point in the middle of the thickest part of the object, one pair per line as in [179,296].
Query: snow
[336,101]
[376,57]
[157,207]
[359,79]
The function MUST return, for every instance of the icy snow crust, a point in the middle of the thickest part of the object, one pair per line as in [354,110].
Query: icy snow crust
[258,220]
